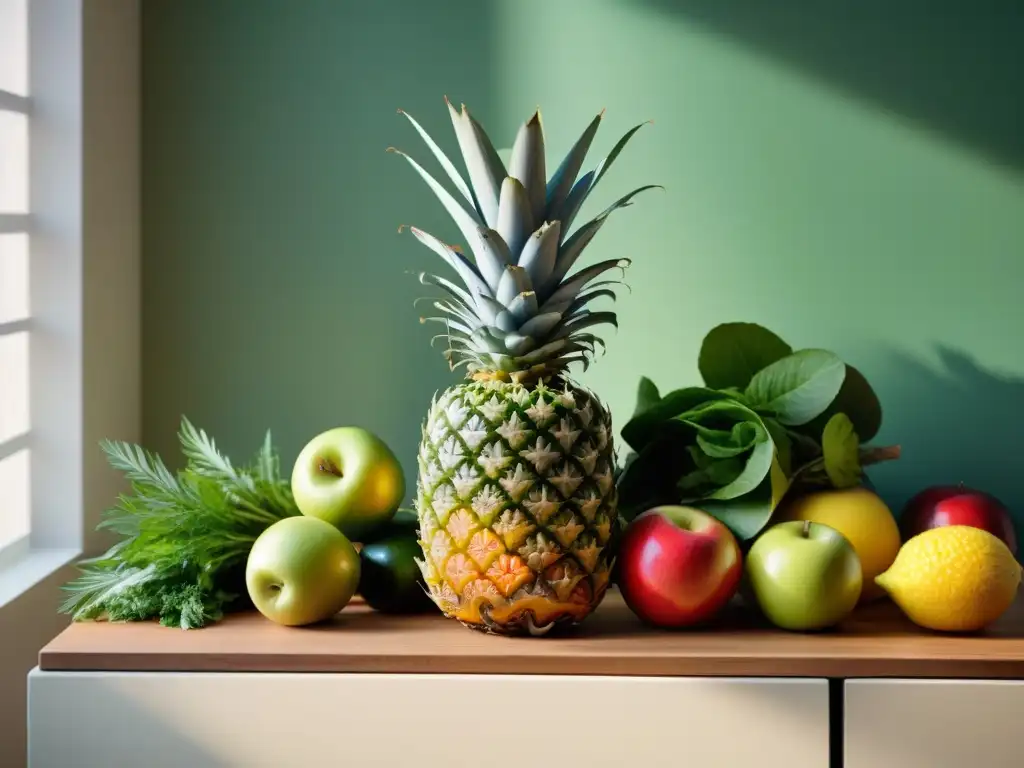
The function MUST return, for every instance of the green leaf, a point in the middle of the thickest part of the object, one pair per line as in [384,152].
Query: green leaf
[805,448]
[539,254]
[571,207]
[515,219]
[575,284]
[694,445]
[759,448]
[733,352]
[691,481]
[485,168]
[604,165]
[710,475]
[587,184]
[783,444]
[719,441]
[754,471]
[722,412]
[564,177]
[841,445]
[723,444]
[736,394]
[442,158]
[644,425]
[746,516]
[647,396]
[527,164]
[858,401]
[651,473]
[798,387]
[492,256]
[464,220]
[573,247]
[725,471]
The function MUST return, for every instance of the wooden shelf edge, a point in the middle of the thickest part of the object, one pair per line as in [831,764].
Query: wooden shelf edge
[877,642]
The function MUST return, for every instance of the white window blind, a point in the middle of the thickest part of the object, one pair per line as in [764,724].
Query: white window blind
[15,247]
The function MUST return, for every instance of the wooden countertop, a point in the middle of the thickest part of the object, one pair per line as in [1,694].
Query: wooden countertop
[875,642]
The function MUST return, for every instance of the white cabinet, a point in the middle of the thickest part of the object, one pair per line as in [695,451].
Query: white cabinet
[937,723]
[307,720]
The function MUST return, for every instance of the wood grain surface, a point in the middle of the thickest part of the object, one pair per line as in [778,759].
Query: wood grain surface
[877,641]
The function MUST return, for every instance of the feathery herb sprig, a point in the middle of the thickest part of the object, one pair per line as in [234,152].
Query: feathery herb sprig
[186,535]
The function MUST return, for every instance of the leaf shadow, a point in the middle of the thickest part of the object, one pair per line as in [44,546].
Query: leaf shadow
[957,422]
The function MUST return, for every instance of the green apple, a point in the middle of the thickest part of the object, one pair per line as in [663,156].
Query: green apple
[804,575]
[301,570]
[349,477]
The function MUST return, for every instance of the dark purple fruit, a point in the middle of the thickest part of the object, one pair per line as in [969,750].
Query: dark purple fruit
[390,580]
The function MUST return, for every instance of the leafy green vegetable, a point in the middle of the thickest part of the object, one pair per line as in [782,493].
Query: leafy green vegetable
[754,471]
[723,444]
[747,515]
[767,421]
[798,387]
[647,396]
[858,401]
[694,445]
[647,420]
[186,535]
[840,447]
[733,352]
[783,444]
[758,449]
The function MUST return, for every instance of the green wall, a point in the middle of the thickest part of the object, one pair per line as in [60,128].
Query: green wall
[854,184]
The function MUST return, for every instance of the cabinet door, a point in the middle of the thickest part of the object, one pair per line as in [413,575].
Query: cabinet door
[933,723]
[281,720]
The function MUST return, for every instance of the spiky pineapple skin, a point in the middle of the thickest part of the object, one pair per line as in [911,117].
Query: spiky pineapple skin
[517,504]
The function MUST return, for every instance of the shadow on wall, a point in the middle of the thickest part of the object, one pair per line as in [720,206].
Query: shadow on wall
[957,423]
[951,65]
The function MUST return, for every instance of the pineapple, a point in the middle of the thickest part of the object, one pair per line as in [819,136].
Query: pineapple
[516,495]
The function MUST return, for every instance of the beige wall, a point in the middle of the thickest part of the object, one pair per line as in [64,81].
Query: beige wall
[110,404]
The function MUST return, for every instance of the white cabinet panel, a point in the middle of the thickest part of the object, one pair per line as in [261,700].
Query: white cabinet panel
[98,720]
[933,723]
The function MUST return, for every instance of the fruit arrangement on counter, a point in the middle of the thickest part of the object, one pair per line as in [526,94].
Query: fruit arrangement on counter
[214,537]
[756,478]
[748,487]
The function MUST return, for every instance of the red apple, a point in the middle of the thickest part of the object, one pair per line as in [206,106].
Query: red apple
[942,505]
[678,566]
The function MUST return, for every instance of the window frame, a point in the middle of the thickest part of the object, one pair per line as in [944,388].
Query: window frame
[83,228]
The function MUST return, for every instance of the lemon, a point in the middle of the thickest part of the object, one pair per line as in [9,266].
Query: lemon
[956,578]
[862,517]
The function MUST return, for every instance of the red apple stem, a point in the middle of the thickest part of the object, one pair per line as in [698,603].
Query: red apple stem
[329,467]
[806,529]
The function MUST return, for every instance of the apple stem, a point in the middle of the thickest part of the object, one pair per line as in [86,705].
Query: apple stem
[328,466]
[807,529]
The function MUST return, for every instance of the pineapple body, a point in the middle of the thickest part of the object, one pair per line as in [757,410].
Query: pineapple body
[516,493]
[516,503]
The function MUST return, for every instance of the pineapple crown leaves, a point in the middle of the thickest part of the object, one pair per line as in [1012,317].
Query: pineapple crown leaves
[516,309]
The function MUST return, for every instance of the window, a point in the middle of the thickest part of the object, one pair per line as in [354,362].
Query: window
[42,110]
[15,305]
[69,276]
